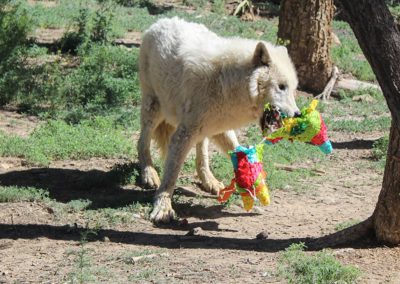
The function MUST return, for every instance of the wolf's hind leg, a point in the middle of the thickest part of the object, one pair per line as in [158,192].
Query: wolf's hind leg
[150,117]
[208,181]
[181,142]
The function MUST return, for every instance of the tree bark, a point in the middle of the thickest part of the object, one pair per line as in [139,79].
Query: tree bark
[379,38]
[387,211]
[307,27]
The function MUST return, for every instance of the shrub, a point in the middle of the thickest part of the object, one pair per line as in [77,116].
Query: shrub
[102,20]
[107,78]
[78,33]
[14,26]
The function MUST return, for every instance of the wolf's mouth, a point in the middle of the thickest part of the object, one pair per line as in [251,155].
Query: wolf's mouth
[271,119]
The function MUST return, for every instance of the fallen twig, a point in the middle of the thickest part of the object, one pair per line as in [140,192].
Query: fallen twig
[136,259]
[294,168]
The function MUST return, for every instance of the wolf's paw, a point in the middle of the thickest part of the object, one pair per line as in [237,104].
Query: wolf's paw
[162,210]
[211,184]
[150,178]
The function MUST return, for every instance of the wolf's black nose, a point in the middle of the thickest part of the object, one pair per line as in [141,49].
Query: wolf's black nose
[297,114]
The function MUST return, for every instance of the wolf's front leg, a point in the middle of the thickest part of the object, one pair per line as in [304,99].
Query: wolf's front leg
[208,181]
[180,144]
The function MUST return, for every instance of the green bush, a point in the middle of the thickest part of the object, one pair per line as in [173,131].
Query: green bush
[102,22]
[14,26]
[106,78]
[78,33]
[348,56]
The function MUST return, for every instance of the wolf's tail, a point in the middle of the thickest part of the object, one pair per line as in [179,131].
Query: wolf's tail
[162,134]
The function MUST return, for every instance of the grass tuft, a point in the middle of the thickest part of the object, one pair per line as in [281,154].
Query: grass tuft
[15,194]
[346,224]
[380,148]
[298,267]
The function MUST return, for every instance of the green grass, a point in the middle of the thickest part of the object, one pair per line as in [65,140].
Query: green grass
[364,125]
[16,194]
[346,224]
[222,168]
[57,140]
[108,217]
[84,270]
[138,18]
[379,151]
[348,56]
[298,267]
[380,148]
[144,274]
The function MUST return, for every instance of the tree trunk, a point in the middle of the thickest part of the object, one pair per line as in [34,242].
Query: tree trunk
[387,211]
[379,38]
[306,27]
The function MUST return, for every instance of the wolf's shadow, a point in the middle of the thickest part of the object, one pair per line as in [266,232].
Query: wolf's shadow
[104,189]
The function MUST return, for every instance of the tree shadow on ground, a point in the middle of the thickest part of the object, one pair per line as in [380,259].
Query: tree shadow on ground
[33,231]
[355,144]
[104,189]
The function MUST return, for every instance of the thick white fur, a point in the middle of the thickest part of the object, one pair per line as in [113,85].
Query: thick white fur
[197,85]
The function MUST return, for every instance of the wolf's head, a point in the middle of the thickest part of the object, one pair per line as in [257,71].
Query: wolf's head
[274,79]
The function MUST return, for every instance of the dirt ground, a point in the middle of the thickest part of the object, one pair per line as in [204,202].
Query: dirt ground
[38,247]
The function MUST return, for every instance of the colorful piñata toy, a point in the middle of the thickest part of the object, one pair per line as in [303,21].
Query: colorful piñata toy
[309,127]
[249,178]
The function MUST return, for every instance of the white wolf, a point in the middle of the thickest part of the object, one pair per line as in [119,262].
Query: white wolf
[197,85]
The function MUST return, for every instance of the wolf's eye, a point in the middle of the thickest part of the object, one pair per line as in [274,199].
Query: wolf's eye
[282,87]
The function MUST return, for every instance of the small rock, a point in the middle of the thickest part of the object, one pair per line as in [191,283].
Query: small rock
[195,232]
[106,239]
[262,236]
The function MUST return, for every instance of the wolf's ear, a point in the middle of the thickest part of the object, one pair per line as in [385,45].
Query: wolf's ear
[261,55]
